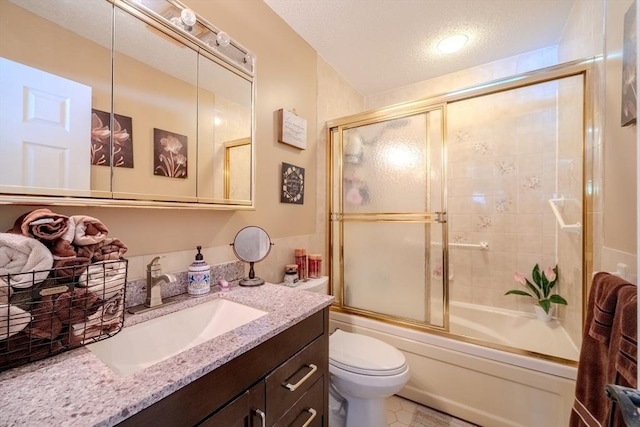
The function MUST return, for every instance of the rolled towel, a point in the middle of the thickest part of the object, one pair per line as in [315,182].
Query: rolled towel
[5,292]
[110,248]
[69,268]
[25,259]
[12,320]
[22,348]
[41,224]
[107,320]
[105,279]
[61,248]
[45,323]
[75,306]
[88,230]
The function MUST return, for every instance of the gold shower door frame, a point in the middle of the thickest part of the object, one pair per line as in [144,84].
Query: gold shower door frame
[427,218]
[335,198]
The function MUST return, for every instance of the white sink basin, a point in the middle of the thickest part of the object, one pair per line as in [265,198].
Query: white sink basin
[139,346]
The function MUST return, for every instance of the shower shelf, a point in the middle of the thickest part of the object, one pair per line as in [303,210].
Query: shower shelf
[572,228]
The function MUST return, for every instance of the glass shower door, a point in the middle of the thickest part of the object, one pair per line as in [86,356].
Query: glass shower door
[388,220]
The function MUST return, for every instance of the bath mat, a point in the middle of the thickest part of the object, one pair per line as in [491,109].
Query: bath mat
[425,417]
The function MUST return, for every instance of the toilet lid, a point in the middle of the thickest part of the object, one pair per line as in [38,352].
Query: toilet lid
[364,355]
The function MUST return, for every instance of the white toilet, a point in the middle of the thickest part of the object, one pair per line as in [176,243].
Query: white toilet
[364,371]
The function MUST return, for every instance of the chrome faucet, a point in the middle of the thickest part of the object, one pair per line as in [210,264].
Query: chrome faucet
[154,278]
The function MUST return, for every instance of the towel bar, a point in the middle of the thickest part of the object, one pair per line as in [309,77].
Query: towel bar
[482,245]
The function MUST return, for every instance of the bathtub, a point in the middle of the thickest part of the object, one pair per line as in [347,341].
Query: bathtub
[511,328]
[482,385]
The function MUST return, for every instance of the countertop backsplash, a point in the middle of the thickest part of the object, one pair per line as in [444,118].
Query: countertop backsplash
[232,272]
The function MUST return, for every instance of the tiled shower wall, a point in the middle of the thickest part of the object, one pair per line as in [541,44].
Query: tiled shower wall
[502,170]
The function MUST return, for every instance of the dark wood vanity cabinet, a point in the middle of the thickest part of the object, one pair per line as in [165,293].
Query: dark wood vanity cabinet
[282,382]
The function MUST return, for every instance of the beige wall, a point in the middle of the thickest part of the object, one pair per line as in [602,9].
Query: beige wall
[286,78]
[619,148]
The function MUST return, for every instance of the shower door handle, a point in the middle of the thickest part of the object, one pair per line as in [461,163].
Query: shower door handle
[441,217]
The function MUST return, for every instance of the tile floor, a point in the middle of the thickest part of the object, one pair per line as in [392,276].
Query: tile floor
[400,413]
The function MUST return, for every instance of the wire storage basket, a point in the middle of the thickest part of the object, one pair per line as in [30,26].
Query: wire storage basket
[73,305]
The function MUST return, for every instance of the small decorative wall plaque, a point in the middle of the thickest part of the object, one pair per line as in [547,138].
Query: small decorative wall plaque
[292,184]
[169,154]
[292,129]
[101,137]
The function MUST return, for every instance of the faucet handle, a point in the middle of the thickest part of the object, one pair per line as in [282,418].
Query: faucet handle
[155,264]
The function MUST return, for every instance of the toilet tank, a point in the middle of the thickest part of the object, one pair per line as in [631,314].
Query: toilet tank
[319,285]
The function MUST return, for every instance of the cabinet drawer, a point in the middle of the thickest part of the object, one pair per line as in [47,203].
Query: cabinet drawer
[308,411]
[241,412]
[287,383]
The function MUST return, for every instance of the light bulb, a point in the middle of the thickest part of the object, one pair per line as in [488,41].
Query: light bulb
[176,21]
[188,17]
[249,59]
[222,39]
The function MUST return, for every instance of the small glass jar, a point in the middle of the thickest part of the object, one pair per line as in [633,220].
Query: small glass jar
[315,265]
[290,274]
[301,262]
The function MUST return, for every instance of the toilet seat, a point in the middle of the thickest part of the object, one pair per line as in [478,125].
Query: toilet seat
[361,354]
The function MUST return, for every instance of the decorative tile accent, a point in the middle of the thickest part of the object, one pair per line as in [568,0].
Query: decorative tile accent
[460,238]
[531,182]
[462,135]
[482,147]
[503,204]
[505,167]
[484,222]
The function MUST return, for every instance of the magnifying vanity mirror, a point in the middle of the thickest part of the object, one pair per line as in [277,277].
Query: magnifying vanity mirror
[252,244]
[127,102]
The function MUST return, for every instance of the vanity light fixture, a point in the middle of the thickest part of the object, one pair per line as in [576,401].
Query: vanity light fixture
[452,43]
[211,38]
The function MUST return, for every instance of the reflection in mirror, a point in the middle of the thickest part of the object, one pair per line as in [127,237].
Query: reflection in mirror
[224,111]
[60,53]
[252,244]
[154,84]
[177,97]
[237,170]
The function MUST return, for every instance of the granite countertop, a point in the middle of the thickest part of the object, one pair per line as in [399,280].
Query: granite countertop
[77,389]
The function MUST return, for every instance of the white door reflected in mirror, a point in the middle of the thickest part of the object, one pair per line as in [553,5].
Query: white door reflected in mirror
[45,123]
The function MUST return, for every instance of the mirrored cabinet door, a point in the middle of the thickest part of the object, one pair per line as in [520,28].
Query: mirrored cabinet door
[224,135]
[155,96]
[55,67]
[121,102]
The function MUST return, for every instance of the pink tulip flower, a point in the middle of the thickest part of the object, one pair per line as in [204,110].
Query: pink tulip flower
[550,274]
[519,277]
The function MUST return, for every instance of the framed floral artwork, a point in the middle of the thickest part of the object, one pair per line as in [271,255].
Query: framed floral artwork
[169,154]
[101,135]
[292,184]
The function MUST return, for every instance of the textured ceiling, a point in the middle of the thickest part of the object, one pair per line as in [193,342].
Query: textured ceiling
[379,45]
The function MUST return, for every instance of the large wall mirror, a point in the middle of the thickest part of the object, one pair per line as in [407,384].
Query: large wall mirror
[127,102]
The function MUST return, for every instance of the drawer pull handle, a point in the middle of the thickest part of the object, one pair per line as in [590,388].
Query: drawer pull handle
[263,417]
[313,413]
[294,387]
